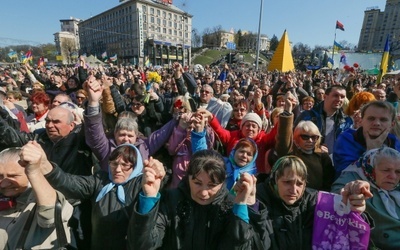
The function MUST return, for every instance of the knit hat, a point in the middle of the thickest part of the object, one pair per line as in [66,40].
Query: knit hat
[251,117]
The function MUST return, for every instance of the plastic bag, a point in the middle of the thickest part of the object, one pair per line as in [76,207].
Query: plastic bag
[336,226]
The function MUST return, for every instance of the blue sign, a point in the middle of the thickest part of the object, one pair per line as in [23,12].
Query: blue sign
[231,45]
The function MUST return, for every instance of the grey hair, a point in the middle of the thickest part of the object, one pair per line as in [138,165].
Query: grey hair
[10,155]
[127,123]
[386,153]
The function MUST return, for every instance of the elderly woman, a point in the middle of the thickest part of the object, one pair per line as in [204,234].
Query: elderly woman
[200,214]
[290,206]
[304,143]
[250,127]
[40,105]
[381,168]
[112,194]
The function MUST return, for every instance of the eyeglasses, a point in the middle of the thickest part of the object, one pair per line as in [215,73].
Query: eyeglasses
[308,137]
[124,166]
[205,91]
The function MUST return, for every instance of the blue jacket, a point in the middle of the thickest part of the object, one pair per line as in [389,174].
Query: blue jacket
[317,116]
[350,146]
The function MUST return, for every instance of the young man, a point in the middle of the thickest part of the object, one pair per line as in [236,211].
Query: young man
[329,116]
[377,120]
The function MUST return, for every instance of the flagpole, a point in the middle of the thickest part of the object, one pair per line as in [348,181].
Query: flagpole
[333,49]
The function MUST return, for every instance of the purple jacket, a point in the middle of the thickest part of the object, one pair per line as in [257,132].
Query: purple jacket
[102,146]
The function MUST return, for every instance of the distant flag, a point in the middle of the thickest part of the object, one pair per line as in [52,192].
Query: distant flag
[331,62]
[41,61]
[104,55]
[339,25]
[113,58]
[337,46]
[27,57]
[343,58]
[384,61]
[12,54]
[147,62]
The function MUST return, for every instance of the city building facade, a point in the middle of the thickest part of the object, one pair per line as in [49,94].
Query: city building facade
[67,41]
[377,25]
[140,32]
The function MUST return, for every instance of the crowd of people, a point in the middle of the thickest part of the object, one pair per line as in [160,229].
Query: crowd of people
[129,157]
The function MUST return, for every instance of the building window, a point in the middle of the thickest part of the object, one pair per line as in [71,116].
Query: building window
[152,11]
[164,22]
[152,19]
[169,24]
[158,21]
[164,14]
[164,30]
[144,9]
[158,12]
[169,16]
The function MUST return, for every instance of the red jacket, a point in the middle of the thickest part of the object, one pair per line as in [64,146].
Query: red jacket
[264,141]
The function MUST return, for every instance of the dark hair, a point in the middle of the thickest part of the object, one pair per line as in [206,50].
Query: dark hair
[246,143]
[127,152]
[209,161]
[338,87]
[380,104]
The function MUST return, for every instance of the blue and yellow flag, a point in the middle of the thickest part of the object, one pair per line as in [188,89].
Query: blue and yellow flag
[384,61]
[337,46]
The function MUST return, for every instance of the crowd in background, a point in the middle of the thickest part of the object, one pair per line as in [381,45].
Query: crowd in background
[111,139]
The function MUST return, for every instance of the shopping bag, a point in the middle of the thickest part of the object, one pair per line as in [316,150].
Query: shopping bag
[336,226]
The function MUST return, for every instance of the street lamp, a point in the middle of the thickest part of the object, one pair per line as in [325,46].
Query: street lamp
[259,35]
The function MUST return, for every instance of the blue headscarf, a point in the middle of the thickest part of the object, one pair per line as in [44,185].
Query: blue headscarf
[233,171]
[137,170]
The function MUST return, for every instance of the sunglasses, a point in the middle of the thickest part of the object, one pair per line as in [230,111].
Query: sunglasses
[136,104]
[308,137]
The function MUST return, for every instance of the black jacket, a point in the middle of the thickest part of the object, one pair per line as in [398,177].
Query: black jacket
[70,153]
[109,217]
[177,222]
[288,227]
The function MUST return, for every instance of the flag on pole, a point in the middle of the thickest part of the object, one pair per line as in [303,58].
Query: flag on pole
[27,57]
[104,55]
[343,58]
[384,61]
[113,58]
[339,25]
[337,46]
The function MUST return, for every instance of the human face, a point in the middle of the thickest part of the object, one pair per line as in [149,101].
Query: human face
[280,103]
[57,123]
[306,141]
[137,108]
[80,98]
[13,180]
[58,100]
[239,112]
[125,136]
[290,187]
[243,156]
[380,95]
[376,121]
[334,101]
[320,94]
[71,83]
[387,173]
[308,105]
[120,170]
[39,108]
[205,94]
[202,189]
[250,129]
[11,98]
